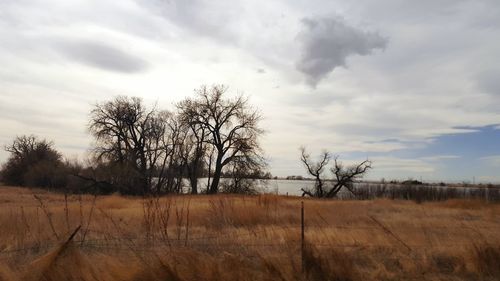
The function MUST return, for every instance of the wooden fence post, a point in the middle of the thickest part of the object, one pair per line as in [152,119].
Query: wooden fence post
[303,245]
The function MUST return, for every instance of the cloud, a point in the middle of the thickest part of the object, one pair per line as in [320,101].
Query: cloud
[327,42]
[205,18]
[488,81]
[397,165]
[102,56]
[395,104]
[493,160]
[439,158]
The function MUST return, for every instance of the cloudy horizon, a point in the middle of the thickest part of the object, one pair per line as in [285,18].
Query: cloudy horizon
[413,86]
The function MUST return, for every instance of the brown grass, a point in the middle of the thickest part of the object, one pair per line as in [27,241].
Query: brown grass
[229,237]
[486,259]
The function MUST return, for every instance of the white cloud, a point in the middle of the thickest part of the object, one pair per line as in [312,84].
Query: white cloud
[493,160]
[393,164]
[439,158]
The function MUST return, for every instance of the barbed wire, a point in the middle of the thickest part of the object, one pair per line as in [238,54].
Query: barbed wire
[148,246]
[110,241]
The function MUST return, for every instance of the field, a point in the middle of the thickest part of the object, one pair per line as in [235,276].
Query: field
[226,237]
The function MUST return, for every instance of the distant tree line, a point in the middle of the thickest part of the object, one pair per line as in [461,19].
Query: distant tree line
[140,150]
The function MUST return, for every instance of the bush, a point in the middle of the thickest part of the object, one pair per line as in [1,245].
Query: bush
[33,162]
[486,259]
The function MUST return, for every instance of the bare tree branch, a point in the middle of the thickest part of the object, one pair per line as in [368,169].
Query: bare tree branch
[343,176]
[229,126]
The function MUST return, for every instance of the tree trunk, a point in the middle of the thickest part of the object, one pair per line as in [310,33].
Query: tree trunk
[194,183]
[193,174]
[143,174]
[214,187]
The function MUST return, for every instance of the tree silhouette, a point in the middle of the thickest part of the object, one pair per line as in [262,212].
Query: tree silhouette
[230,126]
[344,176]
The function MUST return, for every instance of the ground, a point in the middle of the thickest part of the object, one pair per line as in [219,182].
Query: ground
[229,237]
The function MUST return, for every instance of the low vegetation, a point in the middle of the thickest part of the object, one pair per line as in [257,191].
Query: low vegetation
[235,237]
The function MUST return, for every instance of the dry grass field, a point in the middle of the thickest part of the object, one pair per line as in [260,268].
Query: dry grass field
[227,237]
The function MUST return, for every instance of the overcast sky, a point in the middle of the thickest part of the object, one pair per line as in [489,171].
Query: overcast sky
[413,85]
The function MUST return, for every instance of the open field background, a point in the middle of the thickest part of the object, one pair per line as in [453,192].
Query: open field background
[229,237]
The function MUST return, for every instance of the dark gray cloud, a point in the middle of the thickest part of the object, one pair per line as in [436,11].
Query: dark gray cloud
[327,42]
[102,56]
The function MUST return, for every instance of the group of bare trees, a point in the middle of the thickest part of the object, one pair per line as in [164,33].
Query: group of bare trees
[140,150]
[143,150]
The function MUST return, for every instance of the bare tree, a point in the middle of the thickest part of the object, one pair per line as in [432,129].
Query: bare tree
[131,139]
[194,151]
[316,170]
[175,159]
[344,176]
[229,125]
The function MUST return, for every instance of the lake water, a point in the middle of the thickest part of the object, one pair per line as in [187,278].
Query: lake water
[290,187]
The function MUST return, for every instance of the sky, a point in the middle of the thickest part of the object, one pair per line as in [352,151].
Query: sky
[412,85]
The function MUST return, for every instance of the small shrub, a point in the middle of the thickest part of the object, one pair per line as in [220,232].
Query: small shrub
[334,265]
[447,264]
[486,259]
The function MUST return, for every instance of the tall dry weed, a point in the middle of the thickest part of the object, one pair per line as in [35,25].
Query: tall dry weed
[227,237]
[6,274]
[334,265]
[64,263]
[486,259]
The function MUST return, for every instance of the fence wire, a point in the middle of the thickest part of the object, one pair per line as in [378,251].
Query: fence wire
[141,244]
